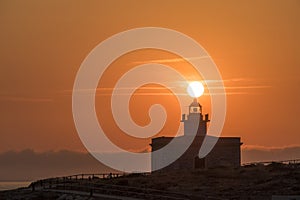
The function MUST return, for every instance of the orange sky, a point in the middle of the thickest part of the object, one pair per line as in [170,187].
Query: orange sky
[255,44]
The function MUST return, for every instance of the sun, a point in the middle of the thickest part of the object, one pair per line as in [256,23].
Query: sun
[195,89]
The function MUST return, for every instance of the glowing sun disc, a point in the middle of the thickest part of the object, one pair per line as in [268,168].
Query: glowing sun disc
[195,89]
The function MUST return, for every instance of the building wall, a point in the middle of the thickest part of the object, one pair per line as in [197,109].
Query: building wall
[225,153]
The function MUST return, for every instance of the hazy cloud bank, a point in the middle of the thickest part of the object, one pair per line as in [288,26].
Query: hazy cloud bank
[254,154]
[30,165]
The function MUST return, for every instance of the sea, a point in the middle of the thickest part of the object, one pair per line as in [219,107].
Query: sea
[10,185]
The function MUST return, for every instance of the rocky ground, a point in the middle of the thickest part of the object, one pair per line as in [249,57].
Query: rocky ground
[252,182]
[249,182]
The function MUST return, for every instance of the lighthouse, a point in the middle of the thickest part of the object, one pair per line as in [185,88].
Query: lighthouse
[226,152]
[195,121]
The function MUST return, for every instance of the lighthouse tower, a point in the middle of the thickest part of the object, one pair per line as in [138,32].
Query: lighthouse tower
[195,121]
[226,152]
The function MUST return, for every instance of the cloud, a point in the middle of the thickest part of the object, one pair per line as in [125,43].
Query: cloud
[259,153]
[25,99]
[169,60]
[264,148]
[29,165]
[239,86]
[234,86]
[103,89]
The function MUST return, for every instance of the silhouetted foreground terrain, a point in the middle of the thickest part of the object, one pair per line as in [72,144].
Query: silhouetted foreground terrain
[248,182]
